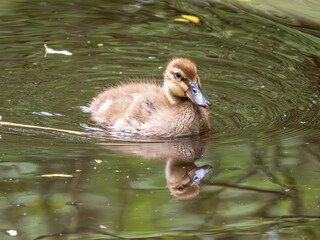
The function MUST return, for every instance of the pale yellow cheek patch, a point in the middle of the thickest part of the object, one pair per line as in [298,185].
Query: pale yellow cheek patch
[178,92]
[184,87]
[178,89]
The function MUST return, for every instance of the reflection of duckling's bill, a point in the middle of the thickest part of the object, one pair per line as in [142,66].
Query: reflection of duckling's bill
[176,108]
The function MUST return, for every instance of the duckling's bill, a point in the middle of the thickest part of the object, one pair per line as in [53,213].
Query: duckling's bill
[195,94]
[199,173]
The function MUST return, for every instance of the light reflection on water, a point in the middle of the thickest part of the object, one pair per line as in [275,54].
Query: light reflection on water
[259,68]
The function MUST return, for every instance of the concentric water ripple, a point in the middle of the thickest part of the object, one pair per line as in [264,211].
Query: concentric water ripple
[265,80]
[261,75]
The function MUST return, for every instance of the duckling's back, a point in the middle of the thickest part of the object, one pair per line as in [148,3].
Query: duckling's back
[126,107]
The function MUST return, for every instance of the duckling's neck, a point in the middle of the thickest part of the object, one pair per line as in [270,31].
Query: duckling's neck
[173,99]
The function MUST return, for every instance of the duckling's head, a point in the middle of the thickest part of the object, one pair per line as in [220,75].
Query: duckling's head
[181,81]
[183,178]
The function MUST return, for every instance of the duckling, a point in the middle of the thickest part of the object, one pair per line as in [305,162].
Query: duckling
[174,109]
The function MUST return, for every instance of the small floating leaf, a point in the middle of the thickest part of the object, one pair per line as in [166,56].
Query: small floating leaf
[191,18]
[56,175]
[100,44]
[181,20]
[98,161]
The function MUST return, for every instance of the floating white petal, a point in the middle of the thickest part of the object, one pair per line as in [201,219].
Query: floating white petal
[52,51]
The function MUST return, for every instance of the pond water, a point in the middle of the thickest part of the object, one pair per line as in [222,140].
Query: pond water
[259,65]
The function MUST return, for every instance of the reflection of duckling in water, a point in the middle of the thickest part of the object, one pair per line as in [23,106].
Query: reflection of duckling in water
[182,175]
[176,108]
[183,178]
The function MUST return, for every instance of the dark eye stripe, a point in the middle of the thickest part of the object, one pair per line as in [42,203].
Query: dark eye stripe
[179,76]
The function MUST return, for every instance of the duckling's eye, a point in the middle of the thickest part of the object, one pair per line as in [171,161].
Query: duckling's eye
[180,188]
[178,75]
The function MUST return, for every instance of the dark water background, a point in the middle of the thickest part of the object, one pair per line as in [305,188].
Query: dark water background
[259,64]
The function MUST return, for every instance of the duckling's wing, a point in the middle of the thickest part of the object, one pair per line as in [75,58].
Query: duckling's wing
[126,107]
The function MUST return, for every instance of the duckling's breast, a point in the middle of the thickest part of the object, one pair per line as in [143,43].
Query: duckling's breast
[179,119]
